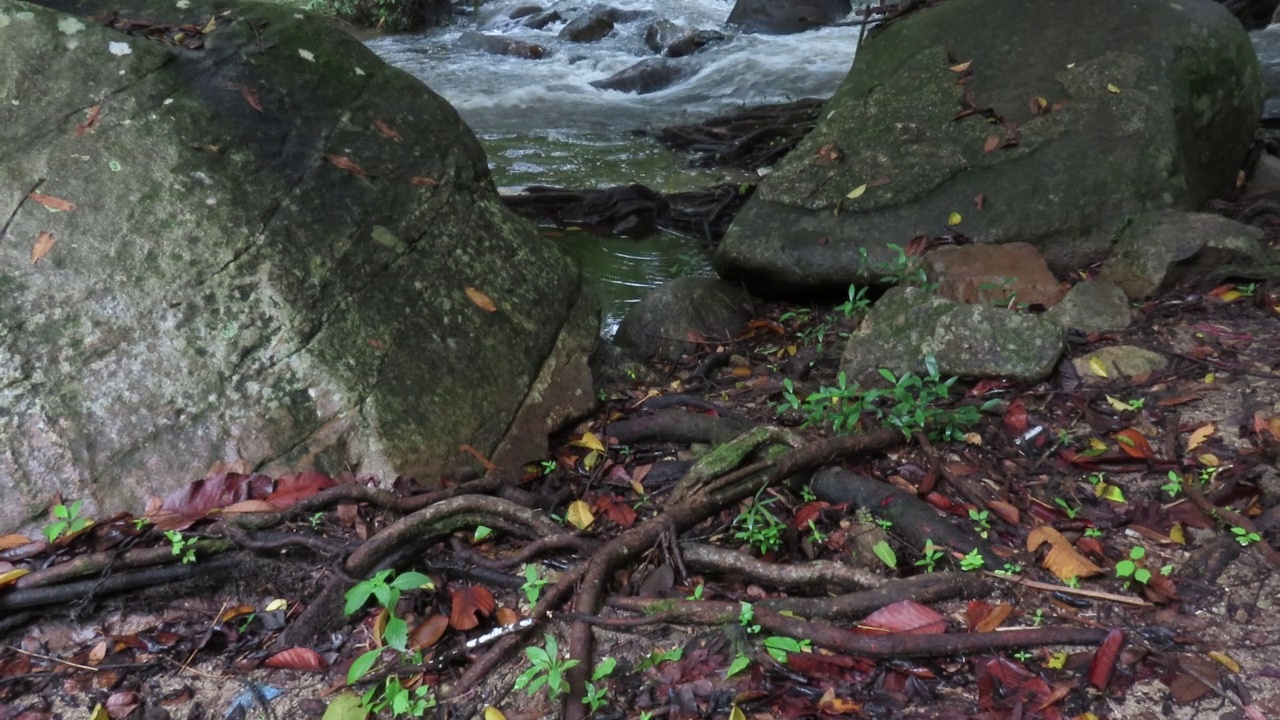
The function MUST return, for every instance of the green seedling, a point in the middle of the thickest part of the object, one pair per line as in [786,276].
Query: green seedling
[980,521]
[778,647]
[1037,617]
[1070,511]
[400,700]
[799,315]
[1072,582]
[1174,486]
[597,692]
[856,303]
[1002,293]
[547,466]
[816,536]
[1247,290]
[740,662]
[806,494]
[481,533]
[885,552]
[972,561]
[884,524]
[1023,655]
[533,584]
[68,521]
[385,588]
[1130,569]
[931,556]
[315,520]
[697,593]
[1092,532]
[747,616]
[657,657]
[139,523]
[1244,537]
[759,527]
[183,546]
[547,669]
[1009,569]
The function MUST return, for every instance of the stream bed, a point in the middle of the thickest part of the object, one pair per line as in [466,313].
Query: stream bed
[542,123]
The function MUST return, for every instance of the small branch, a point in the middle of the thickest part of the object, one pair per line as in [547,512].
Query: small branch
[818,575]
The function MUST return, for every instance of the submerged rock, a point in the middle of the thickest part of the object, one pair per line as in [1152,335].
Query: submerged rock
[647,76]
[501,45]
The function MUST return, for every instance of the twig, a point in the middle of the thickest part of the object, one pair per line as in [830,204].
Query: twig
[1095,594]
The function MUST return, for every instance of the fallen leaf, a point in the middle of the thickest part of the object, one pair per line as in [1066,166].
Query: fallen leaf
[617,511]
[1113,89]
[44,243]
[386,129]
[1104,660]
[429,632]
[55,204]
[954,219]
[999,613]
[1133,444]
[10,577]
[905,616]
[878,182]
[252,97]
[1199,435]
[468,602]
[87,125]
[993,142]
[961,67]
[250,506]
[1225,661]
[493,713]
[579,514]
[480,300]
[419,180]
[857,192]
[343,163]
[1062,559]
[8,542]
[506,616]
[1097,367]
[297,658]
[1007,512]
[589,441]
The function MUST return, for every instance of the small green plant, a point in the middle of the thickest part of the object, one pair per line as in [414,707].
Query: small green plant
[972,561]
[1070,511]
[1208,474]
[657,657]
[798,314]
[597,692]
[1130,569]
[1002,293]
[759,527]
[547,668]
[547,466]
[1072,582]
[778,647]
[697,593]
[747,616]
[1009,569]
[932,554]
[481,533]
[393,695]
[68,521]
[980,521]
[741,662]
[1166,570]
[884,524]
[901,270]
[806,494]
[1023,655]
[1093,532]
[1247,290]
[1037,617]
[1244,537]
[385,587]
[533,584]
[1174,486]
[315,520]
[814,335]
[816,536]
[856,303]
[139,523]
[885,552]
[182,545]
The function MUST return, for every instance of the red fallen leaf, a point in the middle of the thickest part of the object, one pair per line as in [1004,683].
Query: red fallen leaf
[185,506]
[1221,290]
[809,511]
[918,246]
[980,201]
[51,202]
[506,616]
[1015,417]
[386,130]
[906,617]
[419,180]
[946,504]
[975,611]
[619,512]
[995,618]
[767,325]
[467,603]
[343,163]
[1104,659]
[1090,545]
[297,658]
[299,486]
[814,665]
[119,705]
[376,344]
[87,125]
[44,243]
[252,97]
[1007,512]
[1133,444]
[993,142]
[1177,400]
[1005,683]
[429,632]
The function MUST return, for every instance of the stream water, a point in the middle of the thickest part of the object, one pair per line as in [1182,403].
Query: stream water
[541,123]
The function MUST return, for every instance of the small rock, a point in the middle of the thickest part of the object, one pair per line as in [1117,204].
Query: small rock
[501,45]
[541,20]
[587,28]
[1118,361]
[661,33]
[658,324]
[993,274]
[647,76]
[693,42]
[1093,306]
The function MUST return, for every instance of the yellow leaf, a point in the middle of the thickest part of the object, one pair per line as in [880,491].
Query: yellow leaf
[637,488]
[954,219]
[1113,89]
[1209,460]
[1208,379]
[1177,534]
[493,713]
[480,300]
[591,460]
[973,438]
[99,713]
[579,514]
[857,192]
[1108,492]
[1230,296]
[1225,661]
[792,350]
[1042,103]
[1097,367]
[1096,444]
[1063,559]
[589,441]
[210,26]
[1199,435]
[8,578]
[1057,661]
[736,713]
[961,67]
[277,604]
[1117,405]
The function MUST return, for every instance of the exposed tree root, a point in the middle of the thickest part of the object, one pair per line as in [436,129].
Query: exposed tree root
[816,576]
[677,426]
[118,582]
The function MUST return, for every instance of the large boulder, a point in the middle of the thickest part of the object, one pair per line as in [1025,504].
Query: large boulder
[283,254]
[1048,122]
[782,17]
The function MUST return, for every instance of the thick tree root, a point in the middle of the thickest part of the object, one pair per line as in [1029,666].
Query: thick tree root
[818,576]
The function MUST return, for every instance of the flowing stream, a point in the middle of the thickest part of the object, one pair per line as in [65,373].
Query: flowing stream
[541,123]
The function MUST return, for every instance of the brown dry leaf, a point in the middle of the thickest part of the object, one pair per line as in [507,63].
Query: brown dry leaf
[1063,560]
[961,67]
[999,613]
[429,632]
[8,542]
[480,300]
[419,180]
[506,616]
[993,142]
[1199,435]
[386,129]
[252,97]
[343,163]
[469,602]
[234,612]
[1007,512]
[1133,444]
[250,506]
[44,243]
[53,203]
[297,658]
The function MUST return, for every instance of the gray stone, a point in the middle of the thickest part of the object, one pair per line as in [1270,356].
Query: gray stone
[782,17]
[1149,105]
[647,76]
[501,45]
[284,254]
[1165,249]
[907,324]
[1093,306]
[693,42]
[659,324]
[1118,361]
